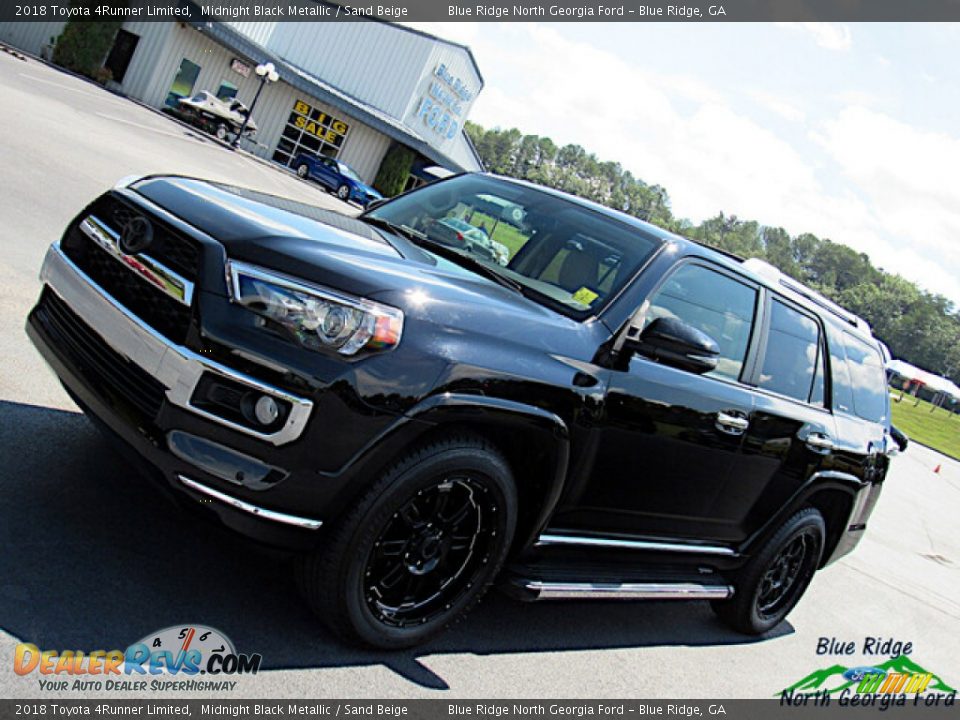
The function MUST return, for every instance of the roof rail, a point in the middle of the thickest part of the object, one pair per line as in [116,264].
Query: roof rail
[772,273]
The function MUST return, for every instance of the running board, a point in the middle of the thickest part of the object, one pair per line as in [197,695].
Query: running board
[540,590]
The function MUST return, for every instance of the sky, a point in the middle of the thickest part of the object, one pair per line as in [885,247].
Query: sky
[851,132]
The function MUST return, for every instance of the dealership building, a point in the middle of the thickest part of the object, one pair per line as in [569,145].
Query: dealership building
[345,90]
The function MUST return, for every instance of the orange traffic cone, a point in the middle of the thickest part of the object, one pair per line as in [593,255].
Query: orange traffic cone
[936,470]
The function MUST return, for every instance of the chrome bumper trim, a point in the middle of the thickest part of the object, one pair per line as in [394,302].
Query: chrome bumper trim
[176,367]
[296,520]
[616,543]
[627,591]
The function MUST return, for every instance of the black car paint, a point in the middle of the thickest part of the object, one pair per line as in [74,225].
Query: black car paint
[605,445]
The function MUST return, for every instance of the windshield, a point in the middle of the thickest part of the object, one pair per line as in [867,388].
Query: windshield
[569,256]
[347,171]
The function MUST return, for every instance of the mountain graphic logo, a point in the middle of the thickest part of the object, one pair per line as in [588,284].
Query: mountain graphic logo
[831,679]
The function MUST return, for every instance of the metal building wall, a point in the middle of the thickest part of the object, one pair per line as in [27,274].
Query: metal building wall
[377,63]
[363,147]
[143,64]
[30,36]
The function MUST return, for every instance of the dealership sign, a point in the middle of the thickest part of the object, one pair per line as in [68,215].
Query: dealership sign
[240,67]
[441,109]
[316,122]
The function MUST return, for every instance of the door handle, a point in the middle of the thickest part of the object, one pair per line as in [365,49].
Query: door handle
[820,443]
[731,424]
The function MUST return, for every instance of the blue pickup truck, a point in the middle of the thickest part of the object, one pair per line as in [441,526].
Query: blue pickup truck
[336,176]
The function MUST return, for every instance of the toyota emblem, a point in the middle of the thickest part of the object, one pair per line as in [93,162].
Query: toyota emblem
[136,235]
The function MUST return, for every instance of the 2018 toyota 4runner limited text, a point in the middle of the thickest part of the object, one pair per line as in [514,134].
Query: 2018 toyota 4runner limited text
[616,412]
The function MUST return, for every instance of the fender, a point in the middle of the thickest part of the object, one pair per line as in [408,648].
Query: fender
[451,409]
[823,480]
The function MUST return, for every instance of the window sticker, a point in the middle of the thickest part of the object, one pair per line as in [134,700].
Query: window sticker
[585,295]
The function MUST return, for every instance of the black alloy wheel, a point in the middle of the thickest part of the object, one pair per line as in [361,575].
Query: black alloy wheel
[430,550]
[419,549]
[777,583]
[774,580]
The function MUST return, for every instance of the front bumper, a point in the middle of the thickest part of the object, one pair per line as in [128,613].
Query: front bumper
[134,345]
[176,367]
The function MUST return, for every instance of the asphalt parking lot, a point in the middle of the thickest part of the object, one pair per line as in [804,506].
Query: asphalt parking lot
[91,558]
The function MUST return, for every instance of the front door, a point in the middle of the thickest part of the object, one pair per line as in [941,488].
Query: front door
[671,438]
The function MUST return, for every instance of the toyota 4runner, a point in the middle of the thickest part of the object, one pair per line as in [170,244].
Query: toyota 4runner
[616,412]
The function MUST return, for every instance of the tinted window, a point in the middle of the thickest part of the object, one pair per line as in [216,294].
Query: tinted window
[792,354]
[713,303]
[839,376]
[867,379]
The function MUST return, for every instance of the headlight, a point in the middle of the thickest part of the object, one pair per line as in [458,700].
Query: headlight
[316,317]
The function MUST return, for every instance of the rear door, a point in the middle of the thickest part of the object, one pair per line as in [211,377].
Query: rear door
[792,432]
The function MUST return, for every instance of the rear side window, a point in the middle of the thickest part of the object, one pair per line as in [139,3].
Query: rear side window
[792,360]
[868,380]
[713,303]
[840,376]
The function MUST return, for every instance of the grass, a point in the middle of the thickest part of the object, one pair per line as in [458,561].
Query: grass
[939,429]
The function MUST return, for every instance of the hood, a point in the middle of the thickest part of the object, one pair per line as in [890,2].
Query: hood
[344,253]
[366,189]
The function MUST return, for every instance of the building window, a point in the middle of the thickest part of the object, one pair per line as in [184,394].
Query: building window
[124,45]
[183,82]
[312,131]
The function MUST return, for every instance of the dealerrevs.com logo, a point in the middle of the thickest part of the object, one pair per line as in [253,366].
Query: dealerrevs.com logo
[171,659]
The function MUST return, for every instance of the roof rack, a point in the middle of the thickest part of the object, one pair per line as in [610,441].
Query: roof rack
[772,273]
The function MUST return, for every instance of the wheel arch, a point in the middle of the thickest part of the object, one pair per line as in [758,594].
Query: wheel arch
[534,441]
[833,493]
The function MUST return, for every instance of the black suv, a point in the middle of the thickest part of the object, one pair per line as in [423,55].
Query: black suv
[617,412]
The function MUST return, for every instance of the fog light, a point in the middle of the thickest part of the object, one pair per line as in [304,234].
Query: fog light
[266,410]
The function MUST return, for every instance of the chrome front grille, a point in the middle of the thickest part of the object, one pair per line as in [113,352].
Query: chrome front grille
[156,284]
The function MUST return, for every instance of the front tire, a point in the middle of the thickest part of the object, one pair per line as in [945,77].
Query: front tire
[343,192]
[221,132]
[418,551]
[303,171]
[775,579]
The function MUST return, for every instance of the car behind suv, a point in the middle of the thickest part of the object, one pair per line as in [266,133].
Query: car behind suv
[617,412]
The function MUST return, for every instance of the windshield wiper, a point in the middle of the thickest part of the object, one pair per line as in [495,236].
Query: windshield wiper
[404,230]
[445,251]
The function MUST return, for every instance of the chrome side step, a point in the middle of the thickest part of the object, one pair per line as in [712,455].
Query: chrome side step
[540,590]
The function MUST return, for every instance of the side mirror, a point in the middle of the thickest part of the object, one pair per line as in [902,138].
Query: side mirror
[673,342]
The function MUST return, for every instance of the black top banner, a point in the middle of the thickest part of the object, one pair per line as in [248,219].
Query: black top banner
[484,11]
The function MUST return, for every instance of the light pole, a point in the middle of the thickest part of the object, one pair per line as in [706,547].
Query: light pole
[267,74]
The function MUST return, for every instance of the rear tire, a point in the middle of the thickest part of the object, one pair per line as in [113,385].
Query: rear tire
[775,579]
[419,549]
[221,132]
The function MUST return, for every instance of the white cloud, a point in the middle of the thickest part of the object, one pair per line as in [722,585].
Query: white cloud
[778,105]
[911,179]
[831,36]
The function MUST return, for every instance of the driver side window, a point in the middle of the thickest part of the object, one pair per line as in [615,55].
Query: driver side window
[714,303]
